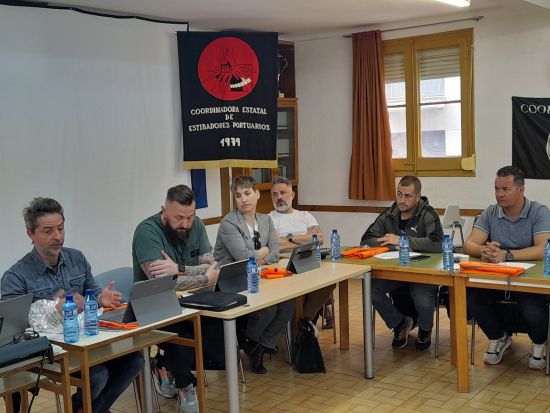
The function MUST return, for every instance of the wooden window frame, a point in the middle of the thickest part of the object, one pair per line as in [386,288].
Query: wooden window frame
[415,163]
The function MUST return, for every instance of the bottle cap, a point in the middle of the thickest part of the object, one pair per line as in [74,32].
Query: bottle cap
[68,297]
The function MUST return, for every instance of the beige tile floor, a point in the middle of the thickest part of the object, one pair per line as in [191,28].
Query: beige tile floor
[406,381]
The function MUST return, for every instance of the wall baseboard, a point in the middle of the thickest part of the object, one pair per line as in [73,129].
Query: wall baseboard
[373,210]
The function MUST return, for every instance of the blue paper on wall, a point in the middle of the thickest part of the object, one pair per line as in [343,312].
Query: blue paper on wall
[198,184]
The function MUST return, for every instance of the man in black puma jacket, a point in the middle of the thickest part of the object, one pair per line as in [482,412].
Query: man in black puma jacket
[412,214]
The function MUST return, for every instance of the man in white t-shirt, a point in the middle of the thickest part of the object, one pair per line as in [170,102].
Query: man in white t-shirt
[295,228]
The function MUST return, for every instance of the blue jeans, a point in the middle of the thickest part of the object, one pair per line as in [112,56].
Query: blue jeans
[109,380]
[423,296]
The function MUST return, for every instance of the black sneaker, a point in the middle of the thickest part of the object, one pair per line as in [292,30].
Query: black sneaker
[401,332]
[424,340]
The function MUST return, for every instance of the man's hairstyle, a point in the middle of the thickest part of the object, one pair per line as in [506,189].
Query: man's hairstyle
[243,181]
[281,180]
[181,194]
[519,176]
[408,180]
[39,207]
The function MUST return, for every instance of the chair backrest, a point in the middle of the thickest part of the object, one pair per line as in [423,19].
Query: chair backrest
[451,216]
[123,277]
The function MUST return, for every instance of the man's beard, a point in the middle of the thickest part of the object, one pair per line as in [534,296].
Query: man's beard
[177,237]
[282,206]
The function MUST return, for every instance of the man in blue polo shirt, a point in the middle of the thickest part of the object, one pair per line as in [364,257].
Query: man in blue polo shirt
[514,229]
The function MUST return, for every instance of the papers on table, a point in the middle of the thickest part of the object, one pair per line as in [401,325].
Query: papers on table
[524,265]
[390,255]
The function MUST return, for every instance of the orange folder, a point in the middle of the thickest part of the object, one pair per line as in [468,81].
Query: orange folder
[470,267]
[117,326]
[274,272]
[364,252]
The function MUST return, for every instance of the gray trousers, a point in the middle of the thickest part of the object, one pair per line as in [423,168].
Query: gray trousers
[266,326]
[423,296]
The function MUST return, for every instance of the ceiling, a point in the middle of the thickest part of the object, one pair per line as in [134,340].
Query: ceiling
[291,17]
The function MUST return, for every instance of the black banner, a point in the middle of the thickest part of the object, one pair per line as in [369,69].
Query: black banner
[228,88]
[531,136]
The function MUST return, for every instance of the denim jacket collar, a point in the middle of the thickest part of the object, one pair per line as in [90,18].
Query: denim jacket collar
[41,265]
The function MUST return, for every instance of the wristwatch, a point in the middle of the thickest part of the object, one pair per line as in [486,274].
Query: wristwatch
[509,255]
[181,269]
[289,237]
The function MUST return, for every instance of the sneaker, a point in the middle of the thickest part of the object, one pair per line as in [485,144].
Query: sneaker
[401,332]
[537,360]
[188,400]
[329,323]
[496,348]
[424,340]
[163,385]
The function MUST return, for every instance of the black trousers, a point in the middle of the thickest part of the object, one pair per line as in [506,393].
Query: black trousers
[180,360]
[493,321]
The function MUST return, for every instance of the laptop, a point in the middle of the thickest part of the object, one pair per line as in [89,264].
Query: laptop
[231,279]
[150,301]
[303,258]
[14,317]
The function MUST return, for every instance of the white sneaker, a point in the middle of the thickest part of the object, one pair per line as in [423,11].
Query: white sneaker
[537,360]
[188,400]
[496,348]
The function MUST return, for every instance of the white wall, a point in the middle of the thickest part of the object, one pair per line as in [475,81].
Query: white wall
[510,59]
[89,115]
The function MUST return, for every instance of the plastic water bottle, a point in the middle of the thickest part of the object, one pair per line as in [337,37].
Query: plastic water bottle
[252,276]
[189,402]
[334,246]
[404,249]
[547,258]
[448,259]
[314,238]
[91,320]
[71,331]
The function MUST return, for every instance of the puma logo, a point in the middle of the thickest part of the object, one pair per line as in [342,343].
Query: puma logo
[414,229]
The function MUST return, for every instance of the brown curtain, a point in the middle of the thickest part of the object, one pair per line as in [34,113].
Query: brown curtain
[371,173]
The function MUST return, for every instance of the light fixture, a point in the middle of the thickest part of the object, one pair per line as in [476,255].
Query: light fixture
[457,3]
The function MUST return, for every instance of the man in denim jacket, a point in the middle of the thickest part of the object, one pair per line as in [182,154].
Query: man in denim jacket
[50,272]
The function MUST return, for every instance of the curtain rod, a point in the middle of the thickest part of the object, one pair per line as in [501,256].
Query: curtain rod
[476,18]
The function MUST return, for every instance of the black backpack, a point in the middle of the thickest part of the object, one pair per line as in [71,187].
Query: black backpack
[307,353]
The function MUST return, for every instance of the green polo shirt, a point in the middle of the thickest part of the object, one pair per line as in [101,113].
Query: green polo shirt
[150,239]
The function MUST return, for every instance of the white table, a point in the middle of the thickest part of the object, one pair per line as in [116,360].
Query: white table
[111,344]
[276,291]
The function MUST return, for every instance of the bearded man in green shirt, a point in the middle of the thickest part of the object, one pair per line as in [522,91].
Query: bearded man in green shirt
[174,241]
